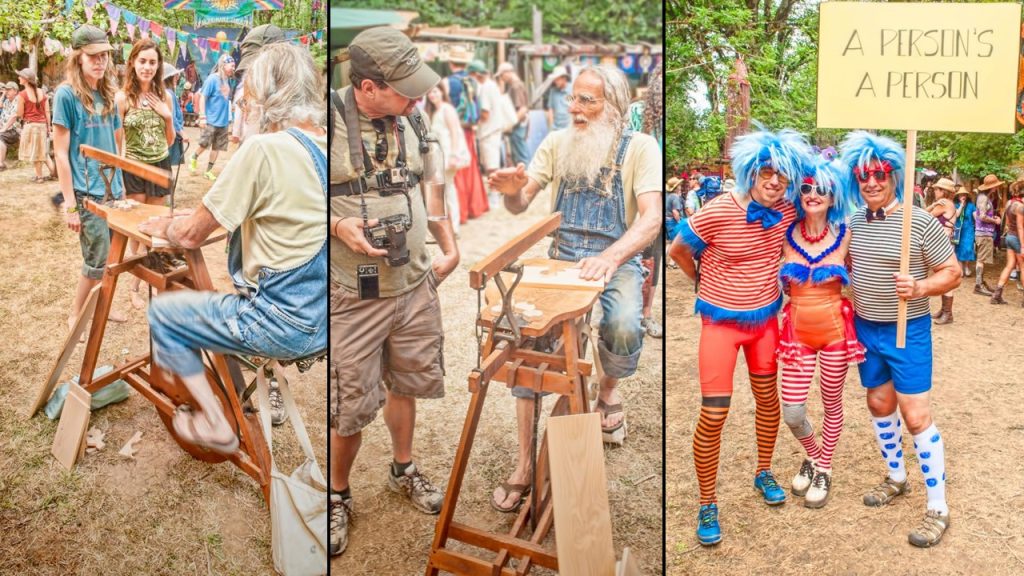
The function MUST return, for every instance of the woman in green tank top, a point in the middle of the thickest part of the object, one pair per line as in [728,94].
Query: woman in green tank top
[145,111]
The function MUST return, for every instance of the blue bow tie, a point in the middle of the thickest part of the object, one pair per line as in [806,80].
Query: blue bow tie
[767,216]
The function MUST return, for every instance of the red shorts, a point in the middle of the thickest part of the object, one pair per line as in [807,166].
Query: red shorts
[720,342]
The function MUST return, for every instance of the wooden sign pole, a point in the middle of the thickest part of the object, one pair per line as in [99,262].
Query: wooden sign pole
[908,206]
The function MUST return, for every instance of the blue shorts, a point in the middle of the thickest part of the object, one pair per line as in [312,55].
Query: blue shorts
[910,369]
[1013,243]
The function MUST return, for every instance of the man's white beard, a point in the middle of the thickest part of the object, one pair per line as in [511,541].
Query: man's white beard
[588,149]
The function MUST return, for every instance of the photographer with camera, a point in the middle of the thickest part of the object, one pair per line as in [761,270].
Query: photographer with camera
[386,333]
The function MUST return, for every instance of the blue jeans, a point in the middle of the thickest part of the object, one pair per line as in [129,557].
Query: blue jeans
[183,322]
[519,151]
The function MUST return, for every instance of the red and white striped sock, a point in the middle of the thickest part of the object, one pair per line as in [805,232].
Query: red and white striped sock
[796,382]
[834,366]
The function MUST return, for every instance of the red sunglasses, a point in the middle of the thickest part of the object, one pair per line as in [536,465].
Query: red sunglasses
[879,174]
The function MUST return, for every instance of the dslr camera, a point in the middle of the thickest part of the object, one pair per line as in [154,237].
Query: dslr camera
[389,234]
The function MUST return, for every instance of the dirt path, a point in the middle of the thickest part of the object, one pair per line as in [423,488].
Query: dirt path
[389,537]
[164,513]
[976,402]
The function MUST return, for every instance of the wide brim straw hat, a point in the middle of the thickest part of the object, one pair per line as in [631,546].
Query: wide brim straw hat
[990,182]
[945,184]
[673,183]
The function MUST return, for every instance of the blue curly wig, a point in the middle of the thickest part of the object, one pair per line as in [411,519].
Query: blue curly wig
[828,175]
[786,151]
[859,149]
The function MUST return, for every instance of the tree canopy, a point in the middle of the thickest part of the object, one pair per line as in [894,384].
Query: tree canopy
[606,20]
[778,41]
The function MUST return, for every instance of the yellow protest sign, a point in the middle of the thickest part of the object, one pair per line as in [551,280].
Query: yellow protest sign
[910,66]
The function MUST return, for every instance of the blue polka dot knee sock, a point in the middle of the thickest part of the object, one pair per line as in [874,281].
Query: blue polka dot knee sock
[931,452]
[889,435]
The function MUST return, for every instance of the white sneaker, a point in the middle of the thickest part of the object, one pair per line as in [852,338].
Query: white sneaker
[340,516]
[820,489]
[424,496]
[803,478]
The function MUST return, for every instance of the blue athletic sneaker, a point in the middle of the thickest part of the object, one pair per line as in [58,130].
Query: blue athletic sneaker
[708,531]
[766,484]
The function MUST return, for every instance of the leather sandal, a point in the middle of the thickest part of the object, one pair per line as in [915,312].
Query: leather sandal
[185,427]
[616,434]
[522,489]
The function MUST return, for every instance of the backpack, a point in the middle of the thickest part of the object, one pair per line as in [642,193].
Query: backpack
[469,105]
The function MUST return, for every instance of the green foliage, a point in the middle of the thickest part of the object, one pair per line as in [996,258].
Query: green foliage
[778,41]
[605,20]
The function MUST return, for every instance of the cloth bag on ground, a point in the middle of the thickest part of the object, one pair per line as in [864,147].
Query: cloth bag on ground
[298,503]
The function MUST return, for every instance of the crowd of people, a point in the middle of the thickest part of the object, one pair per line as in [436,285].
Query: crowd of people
[808,225]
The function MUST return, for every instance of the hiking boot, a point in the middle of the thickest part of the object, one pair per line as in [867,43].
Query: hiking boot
[946,314]
[885,492]
[802,480]
[278,415]
[997,296]
[765,483]
[930,531]
[424,496]
[340,516]
[982,290]
[821,488]
[708,531]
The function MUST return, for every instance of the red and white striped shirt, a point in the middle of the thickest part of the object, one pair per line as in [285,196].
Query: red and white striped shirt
[740,265]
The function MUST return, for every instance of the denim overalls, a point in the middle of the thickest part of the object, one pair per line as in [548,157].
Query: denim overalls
[592,220]
[284,317]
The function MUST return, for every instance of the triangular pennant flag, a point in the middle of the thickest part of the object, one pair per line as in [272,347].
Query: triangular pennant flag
[203,47]
[156,29]
[214,45]
[115,16]
[172,38]
[143,28]
[131,30]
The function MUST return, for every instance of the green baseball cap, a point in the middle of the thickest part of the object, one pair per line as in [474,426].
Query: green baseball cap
[90,39]
[386,55]
[257,38]
[476,67]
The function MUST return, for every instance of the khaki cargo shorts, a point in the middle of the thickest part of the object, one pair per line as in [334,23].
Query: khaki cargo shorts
[983,249]
[394,344]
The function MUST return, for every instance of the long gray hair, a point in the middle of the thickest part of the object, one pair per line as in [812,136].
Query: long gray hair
[285,86]
[616,86]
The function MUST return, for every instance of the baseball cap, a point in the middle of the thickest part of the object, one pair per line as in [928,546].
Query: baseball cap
[90,39]
[505,67]
[477,67]
[11,86]
[257,38]
[386,55]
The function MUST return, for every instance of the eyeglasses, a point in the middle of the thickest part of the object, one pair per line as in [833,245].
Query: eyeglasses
[766,172]
[380,151]
[806,189]
[583,100]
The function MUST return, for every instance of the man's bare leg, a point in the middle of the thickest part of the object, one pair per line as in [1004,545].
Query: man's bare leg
[521,474]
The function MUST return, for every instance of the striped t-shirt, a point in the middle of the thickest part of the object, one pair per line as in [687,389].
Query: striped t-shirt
[875,257]
[739,264]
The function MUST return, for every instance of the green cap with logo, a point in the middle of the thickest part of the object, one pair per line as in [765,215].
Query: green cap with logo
[386,55]
[90,39]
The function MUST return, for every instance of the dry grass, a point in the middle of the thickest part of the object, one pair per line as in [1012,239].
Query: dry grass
[164,513]
[976,397]
[390,537]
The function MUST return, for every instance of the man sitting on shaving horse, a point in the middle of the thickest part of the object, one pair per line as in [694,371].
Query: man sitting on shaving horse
[272,195]
[601,175]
